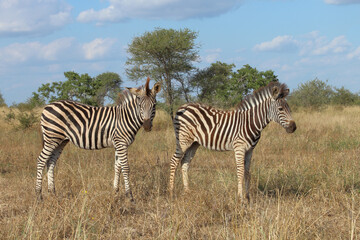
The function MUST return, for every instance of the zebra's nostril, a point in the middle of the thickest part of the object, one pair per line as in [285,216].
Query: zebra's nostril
[292,127]
[147,125]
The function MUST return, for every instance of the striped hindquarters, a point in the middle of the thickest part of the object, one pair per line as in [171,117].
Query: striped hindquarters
[86,126]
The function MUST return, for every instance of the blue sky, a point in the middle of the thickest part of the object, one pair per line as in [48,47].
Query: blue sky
[298,39]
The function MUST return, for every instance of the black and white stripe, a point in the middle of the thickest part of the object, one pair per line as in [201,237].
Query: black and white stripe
[239,130]
[95,128]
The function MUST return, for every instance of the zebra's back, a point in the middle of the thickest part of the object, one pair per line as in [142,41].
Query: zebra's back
[212,128]
[86,126]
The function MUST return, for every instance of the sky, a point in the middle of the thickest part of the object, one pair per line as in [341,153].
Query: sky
[299,40]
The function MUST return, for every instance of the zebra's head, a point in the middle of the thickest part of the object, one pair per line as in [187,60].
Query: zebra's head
[279,109]
[146,103]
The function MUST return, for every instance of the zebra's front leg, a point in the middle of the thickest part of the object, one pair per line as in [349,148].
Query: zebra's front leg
[121,160]
[239,150]
[117,173]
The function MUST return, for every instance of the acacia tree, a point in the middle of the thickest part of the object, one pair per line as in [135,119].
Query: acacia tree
[245,80]
[211,83]
[167,56]
[83,88]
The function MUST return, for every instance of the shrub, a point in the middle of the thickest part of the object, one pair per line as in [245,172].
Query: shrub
[27,120]
[313,94]
[9,117]
[343,96]
[317,94]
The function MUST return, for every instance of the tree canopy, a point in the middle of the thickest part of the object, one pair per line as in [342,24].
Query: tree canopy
[167,56]
[82,88]
[220,85]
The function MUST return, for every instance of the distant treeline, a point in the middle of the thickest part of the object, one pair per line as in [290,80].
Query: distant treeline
[316,94]
[216,85]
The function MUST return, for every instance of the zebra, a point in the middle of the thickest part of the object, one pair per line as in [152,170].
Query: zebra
[90,127]
[239,130]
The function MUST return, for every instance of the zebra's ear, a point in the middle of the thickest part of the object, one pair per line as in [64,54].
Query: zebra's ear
[156,88]
[275,92]
[286,92]
[147,89]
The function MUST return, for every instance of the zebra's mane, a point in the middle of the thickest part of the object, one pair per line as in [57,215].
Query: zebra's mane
[125,95]
[261,94]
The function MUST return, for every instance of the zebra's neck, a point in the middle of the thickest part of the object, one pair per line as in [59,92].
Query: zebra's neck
[256,111]
[129,114]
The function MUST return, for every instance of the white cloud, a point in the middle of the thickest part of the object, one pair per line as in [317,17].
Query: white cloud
[31,17]
[340,2]
[337,45]
[280,43]
[59,50]
[316,55]
[310,44]
[97,48]
[120,10]
[34,51]
[354,54]
[55,49]
[212,55]
[315,44]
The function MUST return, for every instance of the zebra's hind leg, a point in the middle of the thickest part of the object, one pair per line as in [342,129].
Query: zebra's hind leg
[43,160]
[174,162]
[51,165]
[248,155]
[185,163]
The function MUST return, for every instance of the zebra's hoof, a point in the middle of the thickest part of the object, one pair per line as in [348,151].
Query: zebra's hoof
[39,198]
[130,196]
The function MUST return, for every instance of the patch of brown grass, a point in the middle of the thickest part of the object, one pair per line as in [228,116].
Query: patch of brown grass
[304,185]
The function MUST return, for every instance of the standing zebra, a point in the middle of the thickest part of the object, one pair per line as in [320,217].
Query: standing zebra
[94,128]
[237,130]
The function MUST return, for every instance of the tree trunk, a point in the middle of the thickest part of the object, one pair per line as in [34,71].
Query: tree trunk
[169,96]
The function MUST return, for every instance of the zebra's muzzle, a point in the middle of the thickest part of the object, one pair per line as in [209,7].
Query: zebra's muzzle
[292,127]
[147,125]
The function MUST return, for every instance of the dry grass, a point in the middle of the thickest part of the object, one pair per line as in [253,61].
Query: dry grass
[304,186]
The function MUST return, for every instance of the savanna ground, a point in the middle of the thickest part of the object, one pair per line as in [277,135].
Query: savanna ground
[304,185]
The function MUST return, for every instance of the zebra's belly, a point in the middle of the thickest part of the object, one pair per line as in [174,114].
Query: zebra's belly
[91,144]
[226,146]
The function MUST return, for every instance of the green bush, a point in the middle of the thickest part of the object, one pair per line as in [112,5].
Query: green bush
[9,117]
[313,94]
[27,120]
[343,96]
[34,101]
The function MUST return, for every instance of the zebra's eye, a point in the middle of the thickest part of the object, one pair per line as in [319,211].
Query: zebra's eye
[281,108]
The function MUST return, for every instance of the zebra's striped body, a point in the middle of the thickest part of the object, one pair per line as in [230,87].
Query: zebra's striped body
[95,128]
[239,130]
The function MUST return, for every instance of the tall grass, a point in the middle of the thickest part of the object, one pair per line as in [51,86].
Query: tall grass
[304,185]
